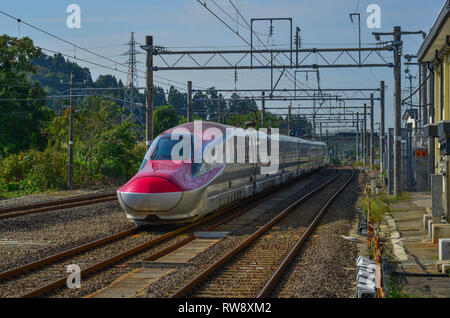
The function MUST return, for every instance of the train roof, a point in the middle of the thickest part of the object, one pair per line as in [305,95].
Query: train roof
[207,124]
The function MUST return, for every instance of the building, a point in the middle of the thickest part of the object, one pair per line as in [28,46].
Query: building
[410,116]
[434,55]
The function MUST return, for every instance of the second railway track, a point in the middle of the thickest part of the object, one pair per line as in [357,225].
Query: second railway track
[253,267]
[11,212]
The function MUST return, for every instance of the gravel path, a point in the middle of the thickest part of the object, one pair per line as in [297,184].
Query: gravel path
[31,237]
[325,267]
[44,197]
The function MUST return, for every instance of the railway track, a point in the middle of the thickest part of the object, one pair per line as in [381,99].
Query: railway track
[175,235]
[12,212]
[254,266]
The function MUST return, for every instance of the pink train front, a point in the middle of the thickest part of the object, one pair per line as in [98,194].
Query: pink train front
[168,191]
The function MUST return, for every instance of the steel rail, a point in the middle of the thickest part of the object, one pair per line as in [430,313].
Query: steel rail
[224,259]
[55,257]
[107,262]
[191,237]
[57,207]
[56,202]
[287,260]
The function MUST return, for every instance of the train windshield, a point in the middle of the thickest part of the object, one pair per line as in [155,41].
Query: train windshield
[163,149]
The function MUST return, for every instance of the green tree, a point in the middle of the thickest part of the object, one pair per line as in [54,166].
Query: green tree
[165,118]
[22,110]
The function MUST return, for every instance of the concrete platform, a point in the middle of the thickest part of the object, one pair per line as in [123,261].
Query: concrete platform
[408,243]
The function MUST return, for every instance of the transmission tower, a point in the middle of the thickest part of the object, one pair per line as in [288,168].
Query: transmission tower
[132,79]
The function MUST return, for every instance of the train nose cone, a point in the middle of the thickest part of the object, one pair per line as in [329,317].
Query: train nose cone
[149,194]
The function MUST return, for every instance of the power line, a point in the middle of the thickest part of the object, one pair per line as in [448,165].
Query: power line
[101,65]
[236,20]
[76,45]
[259,39]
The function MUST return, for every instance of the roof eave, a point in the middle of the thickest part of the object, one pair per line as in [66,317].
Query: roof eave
[434,31]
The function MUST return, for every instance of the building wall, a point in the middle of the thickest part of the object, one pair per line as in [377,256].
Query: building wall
[441,105]
[442,112]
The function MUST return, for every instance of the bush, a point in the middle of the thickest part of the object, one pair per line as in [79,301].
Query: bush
[378,207]
[33,171]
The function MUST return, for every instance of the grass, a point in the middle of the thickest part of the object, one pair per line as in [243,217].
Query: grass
[396,198]
[378,207]
[395,287]
[379,204]
[358,164]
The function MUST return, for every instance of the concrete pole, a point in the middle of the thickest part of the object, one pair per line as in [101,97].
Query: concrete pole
[219,110]
[321,136]
[189,102]
[150,93]
[361,140]
[424,101]
[289,120]
[420,110]
[263,109]
[365,135]
[314,117]
[382,119]
[69,181]
[431,141]
[397,110]
[357,136]
[372,161]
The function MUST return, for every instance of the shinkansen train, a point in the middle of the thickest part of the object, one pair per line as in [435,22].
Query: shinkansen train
[165,190]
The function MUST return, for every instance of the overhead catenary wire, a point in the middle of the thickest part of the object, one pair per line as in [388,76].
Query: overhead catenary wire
[262,42]
[80,48]
[101,65]
[418,88]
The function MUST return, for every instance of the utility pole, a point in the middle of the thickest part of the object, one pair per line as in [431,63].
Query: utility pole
[219,105]
[150,93]
[365,135]
[431,141]
[410,78]
[189,102]
[314,117]
[397,45]
[397,110]
[263,109]
[71,133]
[424,95]
[289,120]
[321,136]
[382,118]
[372,162]
[357,136]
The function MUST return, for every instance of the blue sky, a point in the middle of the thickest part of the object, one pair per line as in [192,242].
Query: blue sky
[106,25]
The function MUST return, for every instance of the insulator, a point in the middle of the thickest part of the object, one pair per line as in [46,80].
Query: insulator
[271,29]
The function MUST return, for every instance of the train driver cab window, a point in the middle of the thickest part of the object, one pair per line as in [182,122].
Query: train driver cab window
[163,149]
